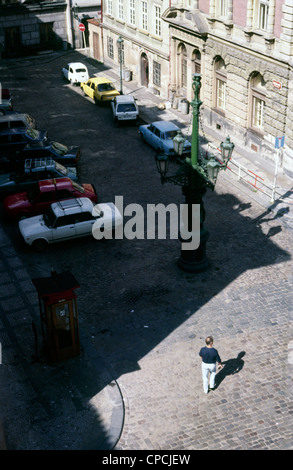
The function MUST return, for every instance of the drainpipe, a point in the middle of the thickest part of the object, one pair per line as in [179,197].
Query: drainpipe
[69,23]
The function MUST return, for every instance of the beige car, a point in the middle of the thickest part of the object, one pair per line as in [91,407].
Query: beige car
[100,89]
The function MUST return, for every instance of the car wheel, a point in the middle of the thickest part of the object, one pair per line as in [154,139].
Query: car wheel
[96,100]
[40,245]
[142,137]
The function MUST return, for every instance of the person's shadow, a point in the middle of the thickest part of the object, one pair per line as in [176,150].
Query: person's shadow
[230,367]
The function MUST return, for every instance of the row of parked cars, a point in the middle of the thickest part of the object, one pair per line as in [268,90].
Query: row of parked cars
[102,90]
[159,134]
[40,185]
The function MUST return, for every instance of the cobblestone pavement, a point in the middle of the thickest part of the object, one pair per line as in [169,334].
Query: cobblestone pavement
[137,384]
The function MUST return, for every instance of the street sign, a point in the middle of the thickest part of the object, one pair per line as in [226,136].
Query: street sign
[277,84]
[279,142]
[81,27]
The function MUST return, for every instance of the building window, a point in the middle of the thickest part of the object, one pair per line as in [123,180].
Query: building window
[182,65]
[109,7]
[223,8]
[262,14]
[157,21]
[257,102]
[120,9]
[110,48]
[196,60]
[144,15]
[221,79]
[157,73]
[132,11]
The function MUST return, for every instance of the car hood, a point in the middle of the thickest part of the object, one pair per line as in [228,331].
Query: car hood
[33,226]
[108,211]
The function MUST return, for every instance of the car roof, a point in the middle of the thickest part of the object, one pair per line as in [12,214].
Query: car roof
[76,64]
[36,164]
[14,116]
[165,126]
[100,80]
[72,206]
[124,98]
[52,184]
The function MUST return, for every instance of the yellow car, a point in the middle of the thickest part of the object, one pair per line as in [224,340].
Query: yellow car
[100,89]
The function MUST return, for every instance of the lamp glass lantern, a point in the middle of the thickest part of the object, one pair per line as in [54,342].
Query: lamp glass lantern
[178,143]
[227,148]
[162,161]
[213,168]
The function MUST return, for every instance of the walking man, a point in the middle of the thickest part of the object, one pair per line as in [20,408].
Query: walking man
[210,357]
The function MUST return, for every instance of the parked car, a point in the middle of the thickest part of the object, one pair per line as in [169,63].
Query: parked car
[100,89]
[124,108]
[160,135]
[6,102]
[67,156]
[16,120]
[65,220]
[42,194]
[32,171]
[75,73]
[12,140]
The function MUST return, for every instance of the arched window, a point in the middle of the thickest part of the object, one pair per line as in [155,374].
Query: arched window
[257,91]
[196,61]
[221,80]
[182,56]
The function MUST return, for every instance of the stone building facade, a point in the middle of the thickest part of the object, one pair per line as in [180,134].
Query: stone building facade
[145,48]
[243,50]
[26,28]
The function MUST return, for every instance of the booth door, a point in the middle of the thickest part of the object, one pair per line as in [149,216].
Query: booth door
[65,330]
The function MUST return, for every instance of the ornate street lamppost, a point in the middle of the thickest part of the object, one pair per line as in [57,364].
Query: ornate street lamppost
[195,177]
[120,43]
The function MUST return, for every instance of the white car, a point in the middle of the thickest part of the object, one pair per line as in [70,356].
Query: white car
[124,108]
[72,218]
[75,73]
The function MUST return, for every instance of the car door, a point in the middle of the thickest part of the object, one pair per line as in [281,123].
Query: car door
[156,138]
[87,88]
[84,223]
[64,228]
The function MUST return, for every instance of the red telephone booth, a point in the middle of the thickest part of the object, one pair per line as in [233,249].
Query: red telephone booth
[59,316]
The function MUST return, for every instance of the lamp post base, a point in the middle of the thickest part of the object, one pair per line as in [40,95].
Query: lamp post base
[195,261]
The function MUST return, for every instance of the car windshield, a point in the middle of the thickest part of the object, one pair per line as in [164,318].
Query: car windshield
[61,168]
[126,107]
[49,217]
[170,134]
[80,70]
[78,187]
[30,120]
[60,148]
[33,133]
[106,87]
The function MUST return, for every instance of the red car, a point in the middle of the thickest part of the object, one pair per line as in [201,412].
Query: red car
[38,198]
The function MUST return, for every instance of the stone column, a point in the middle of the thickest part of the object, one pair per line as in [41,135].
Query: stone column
[249,15]
[271,17]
